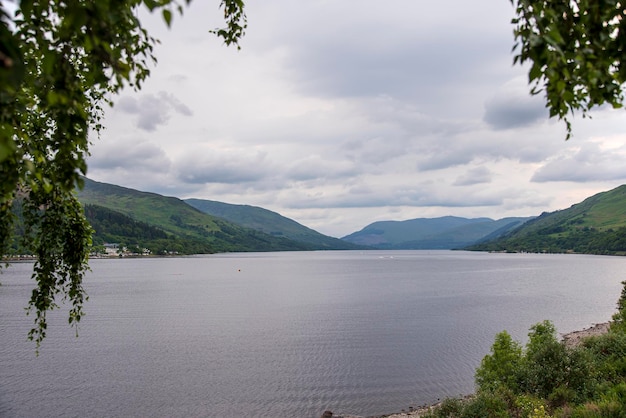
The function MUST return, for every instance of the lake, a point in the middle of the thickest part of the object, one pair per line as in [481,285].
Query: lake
[286,334]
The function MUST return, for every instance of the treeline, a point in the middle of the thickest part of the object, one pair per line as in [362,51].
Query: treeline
[114,227]
[110,225]
[557,239]
[548,378]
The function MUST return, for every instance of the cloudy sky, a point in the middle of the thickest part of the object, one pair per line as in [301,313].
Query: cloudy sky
[341,113]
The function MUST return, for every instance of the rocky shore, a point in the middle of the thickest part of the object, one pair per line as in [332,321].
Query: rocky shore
[571,339]
[574,338]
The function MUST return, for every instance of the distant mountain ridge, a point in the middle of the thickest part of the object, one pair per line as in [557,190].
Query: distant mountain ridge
[447,232]
[597,225]
[187,229]
[270,223]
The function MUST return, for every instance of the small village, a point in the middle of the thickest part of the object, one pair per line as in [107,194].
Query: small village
[112,250]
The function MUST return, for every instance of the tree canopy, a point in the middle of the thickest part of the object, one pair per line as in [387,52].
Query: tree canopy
[575,49]
[61,63]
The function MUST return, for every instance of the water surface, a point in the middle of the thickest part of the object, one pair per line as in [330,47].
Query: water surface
[287,334]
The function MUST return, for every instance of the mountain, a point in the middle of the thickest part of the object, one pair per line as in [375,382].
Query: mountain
[185,228]
[431,233]
[270,223]
[114,227]
[121,214]
[596,225]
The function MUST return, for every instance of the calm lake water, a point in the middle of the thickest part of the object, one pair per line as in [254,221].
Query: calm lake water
[287,334]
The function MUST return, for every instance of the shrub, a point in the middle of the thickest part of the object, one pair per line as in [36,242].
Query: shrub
[485,405]
[562,396]
[608,353]
[449,408]
[619,318]
[603,409]
[526,405]
[539,412]
[548,377]
[501,367]
[544,365]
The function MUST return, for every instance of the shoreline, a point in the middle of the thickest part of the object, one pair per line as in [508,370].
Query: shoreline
[574,338]
[570,339]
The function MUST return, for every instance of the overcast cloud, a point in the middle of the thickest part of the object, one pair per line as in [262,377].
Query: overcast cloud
[340,114]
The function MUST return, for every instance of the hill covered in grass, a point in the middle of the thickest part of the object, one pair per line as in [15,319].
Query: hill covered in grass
[596,225]
[192,230]
[270,223]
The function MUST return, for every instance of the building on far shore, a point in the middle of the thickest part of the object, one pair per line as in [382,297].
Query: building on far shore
[112,250]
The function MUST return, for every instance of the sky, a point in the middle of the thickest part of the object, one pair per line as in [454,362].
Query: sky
[341,113]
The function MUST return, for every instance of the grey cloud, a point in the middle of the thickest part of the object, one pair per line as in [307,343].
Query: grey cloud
[389,197]
[421,201]
[153,110]
[407,68]
[446,151]
[511,112]
[131,154]
[478,175]
[223,167]
[404,50]
[527,151]
[178,78]
[176,104]
[444,157]
[527,198]
[514,107]
[316,167]
[220,174]
[406,118]
[376,150]
[128,104]
[590,163]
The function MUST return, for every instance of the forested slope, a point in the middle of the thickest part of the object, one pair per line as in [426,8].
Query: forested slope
[596,225]
[195,231]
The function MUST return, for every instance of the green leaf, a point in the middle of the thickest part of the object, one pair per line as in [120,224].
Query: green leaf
[167,16]
[535,72]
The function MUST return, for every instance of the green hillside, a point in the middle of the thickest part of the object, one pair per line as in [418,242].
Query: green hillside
[597,225]
[181,221]
[136,236]
[270,223]
[430,233]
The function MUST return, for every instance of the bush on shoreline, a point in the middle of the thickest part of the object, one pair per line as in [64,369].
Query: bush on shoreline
[548,378]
